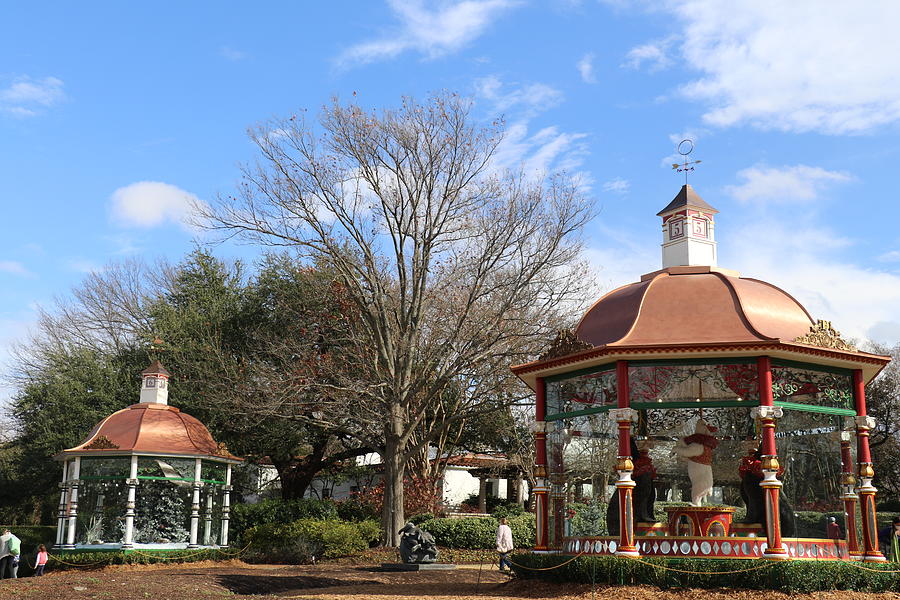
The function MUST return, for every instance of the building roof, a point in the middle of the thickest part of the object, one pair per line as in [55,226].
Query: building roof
[681,305]
[687,197]
[150,428]
[155,368]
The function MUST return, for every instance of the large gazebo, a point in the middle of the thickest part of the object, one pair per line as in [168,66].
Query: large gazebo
[695,352]
[145,477]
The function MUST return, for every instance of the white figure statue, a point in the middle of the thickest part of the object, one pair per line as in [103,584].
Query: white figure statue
[697,449]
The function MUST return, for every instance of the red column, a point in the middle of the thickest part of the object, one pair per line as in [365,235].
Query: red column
[865,472]
[541,490]
[848,494]
[767,412]
[624,416]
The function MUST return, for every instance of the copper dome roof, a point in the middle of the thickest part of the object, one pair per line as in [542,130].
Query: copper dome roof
[150,428]
[690,305]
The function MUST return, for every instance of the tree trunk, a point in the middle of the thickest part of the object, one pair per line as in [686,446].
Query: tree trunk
[482,495]
[392,517]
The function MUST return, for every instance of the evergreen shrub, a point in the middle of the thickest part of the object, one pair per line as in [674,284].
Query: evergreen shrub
[304,540]
[475,533]
[277,511]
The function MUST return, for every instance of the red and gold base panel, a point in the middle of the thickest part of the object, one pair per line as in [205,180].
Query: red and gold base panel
[712,547]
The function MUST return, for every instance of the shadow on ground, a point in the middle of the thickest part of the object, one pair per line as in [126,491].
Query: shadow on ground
[266,584]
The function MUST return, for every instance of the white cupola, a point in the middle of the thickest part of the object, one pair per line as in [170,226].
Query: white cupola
[688,229]
[155,384]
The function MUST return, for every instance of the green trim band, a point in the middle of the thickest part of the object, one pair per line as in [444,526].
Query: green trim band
[605,368]
[157,478]
[578,413]
[693,404]
[815,408]
[682,362]
[778,362]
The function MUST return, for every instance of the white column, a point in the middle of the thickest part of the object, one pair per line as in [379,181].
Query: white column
[195,504]
[61,515]
[73,502]
[132,482]
[207,518]
[226,507]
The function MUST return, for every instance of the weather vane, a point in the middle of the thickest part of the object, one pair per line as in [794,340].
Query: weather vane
[685,147]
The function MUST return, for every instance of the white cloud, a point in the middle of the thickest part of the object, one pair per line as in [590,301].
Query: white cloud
[780,185]
[616,186]
[26,97]
[231,54]
[546,150]
[14,267]
[654,54]
[532,97]
[431,29]
[799,66]
[586,68]
[892,256]
[859,300]
[152,203]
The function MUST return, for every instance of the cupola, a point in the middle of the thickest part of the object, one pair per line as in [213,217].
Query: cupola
[688,229]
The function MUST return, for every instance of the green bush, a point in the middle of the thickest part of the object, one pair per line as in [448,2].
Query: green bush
[507,508]
[794,576]
[82,560]
[419,519]
[355,509]
[277,511]
[476,533]
[305,539]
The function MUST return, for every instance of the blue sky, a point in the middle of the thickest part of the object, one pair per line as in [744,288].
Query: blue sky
[113,115]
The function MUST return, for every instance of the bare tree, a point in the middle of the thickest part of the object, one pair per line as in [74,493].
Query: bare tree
[456,270]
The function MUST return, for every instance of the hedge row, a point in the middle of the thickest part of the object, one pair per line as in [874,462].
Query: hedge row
[304,540]
[793,576]
[479,532]
[70,560]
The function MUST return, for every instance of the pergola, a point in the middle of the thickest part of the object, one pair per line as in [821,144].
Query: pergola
[145,477]
[690,340]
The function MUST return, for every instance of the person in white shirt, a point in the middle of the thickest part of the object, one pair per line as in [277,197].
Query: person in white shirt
[504,544]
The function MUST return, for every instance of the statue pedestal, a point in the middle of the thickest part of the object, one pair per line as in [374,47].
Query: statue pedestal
[704,521]
[417,566]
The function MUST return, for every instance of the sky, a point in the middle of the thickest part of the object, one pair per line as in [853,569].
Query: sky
[115,116]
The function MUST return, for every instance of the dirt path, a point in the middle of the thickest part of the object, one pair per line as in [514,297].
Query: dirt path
[237,580]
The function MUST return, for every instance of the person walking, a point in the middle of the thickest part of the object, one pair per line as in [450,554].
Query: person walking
[5,555]
[504,544]
[41,560]
[14,548]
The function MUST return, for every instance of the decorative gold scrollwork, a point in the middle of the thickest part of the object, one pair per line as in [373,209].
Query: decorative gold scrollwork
[822,334]
[565,342]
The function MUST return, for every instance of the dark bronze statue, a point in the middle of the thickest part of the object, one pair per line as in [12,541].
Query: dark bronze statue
[754,496]
[417,546]
[643,496]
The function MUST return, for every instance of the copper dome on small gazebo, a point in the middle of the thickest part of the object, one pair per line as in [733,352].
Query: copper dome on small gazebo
[146,445]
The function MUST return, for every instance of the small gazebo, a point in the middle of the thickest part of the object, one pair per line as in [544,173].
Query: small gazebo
[692,345]
[145,477]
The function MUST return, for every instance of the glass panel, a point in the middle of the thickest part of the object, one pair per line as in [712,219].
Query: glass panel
[693,383]
[163,512]
[583,391]
[212,471]
[811,386]
[169,468]
[107,467]
[101,512]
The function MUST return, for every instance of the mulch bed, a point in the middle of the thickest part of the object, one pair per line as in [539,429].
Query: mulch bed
[238,580]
